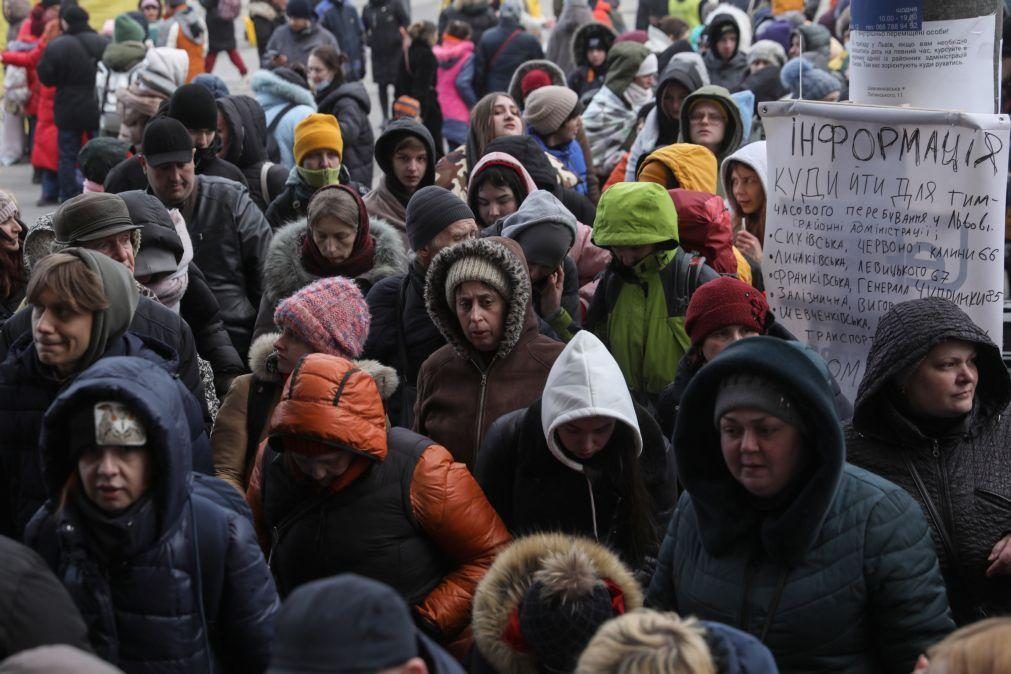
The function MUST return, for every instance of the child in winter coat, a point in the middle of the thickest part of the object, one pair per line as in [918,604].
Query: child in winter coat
[454,84]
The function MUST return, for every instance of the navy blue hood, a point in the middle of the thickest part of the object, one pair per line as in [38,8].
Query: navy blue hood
[167,408]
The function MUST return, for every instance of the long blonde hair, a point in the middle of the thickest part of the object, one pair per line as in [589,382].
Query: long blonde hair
[647,642]
[980,648]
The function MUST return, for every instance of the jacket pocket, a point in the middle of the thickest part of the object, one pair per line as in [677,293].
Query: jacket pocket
[994,499]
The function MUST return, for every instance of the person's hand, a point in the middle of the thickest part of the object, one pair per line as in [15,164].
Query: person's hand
[748,244]
[922,665]
[405,39]
[1000,557]
[551,294]
[279,60]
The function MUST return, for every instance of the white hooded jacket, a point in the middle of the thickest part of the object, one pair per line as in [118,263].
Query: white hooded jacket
[754,156]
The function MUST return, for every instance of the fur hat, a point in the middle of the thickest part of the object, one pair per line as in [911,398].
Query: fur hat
[329,315]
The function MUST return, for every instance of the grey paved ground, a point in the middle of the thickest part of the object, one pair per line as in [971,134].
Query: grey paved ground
[17,179]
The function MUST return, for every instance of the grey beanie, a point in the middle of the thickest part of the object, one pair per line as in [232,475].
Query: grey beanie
[761,393]
[769,51]
[548,108]
[806,81]
[476,268]
[431,210]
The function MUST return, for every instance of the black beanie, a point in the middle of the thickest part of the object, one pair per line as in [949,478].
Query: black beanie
[299,9]
[528,152]
[99,155]
[193,105]
[431,210]
[74,15]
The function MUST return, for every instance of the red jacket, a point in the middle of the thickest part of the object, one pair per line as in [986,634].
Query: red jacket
[44,149]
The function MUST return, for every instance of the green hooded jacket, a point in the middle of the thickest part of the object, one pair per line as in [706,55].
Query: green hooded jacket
[732,136]
[623,63]
[639,330]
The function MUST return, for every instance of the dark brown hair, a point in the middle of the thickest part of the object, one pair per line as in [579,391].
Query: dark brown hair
[461,30]
[333,60]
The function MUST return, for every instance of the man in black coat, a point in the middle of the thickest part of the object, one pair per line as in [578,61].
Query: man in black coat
[401,333]
[229,233]
[70,63]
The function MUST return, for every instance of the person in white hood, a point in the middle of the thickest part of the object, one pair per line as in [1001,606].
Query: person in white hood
[583,460]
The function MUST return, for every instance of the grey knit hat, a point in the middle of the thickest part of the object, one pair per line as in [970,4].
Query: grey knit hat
[548,108]
[769,51]
[761,393]
[476,268]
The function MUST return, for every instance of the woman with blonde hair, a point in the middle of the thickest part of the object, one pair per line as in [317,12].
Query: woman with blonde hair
[650,642]
[983,647]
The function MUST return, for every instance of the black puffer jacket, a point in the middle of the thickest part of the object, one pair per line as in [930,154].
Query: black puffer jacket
[35,609]
[247,148]
[965,469]
[535,484]
[397,307]
[230,240]
[349,103]
[189,590]
[70,63]
[27,387]
[836,573]
[417,77]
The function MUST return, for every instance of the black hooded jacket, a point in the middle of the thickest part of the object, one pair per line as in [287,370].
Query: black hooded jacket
[247,148]
[349,103]
[70,63]
[964,469]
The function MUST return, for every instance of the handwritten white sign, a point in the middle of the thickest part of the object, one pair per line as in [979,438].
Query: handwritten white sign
[871,206]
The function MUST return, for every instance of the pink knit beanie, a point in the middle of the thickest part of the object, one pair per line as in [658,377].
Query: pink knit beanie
[330,315]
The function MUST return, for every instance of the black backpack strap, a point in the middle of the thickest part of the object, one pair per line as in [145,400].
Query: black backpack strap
[681,280]
[272,127]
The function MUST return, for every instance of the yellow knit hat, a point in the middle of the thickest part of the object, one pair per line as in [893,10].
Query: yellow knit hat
[317,132]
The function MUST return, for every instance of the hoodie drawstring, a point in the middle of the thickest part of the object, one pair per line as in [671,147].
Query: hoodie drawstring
[593,507]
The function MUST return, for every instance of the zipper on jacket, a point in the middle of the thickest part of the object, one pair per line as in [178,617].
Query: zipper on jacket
[945,490]
[744,615]
[480,405]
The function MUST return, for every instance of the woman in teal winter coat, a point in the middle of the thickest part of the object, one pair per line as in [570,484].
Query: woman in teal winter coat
[831,566]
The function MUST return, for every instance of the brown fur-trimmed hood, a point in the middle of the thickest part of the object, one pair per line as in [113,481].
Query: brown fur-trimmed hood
[505,254]
[263,364]
[507,581]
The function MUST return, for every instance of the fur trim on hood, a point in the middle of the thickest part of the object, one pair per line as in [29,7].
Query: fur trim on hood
[266,82]
[508,579]
[515,88]
[283,273]
[263,364]
[505,254]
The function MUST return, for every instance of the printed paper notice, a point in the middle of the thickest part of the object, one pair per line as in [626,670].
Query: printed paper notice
[946,66]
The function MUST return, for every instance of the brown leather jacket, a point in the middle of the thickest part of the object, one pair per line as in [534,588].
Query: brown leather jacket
[461,391]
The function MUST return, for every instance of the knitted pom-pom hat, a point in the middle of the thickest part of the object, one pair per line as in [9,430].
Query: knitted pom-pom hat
[330,315]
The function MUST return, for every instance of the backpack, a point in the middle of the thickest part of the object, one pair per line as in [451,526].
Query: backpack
[228,10]
[273,149]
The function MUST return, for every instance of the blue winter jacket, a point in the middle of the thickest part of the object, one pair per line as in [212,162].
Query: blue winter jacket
[274,94]
[571,155]
[836,573]
[188,589]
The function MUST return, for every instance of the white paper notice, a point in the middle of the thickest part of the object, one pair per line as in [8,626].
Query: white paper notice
[868,207]
[946,66]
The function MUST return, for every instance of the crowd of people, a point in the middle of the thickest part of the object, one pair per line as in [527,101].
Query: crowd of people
[515,402]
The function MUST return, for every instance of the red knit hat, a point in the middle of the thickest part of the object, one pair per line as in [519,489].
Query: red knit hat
[535,79]
[722,302]
[330,315]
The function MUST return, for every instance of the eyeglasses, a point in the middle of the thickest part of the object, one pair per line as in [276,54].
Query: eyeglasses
[707,117]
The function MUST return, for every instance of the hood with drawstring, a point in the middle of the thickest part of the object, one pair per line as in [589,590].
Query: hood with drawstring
[754,157]
[733,134]
[585,381]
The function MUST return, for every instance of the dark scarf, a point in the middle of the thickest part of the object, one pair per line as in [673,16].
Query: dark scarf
[119,536]
[361,259]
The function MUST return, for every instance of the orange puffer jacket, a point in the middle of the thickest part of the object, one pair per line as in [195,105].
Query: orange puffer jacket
[410,501]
